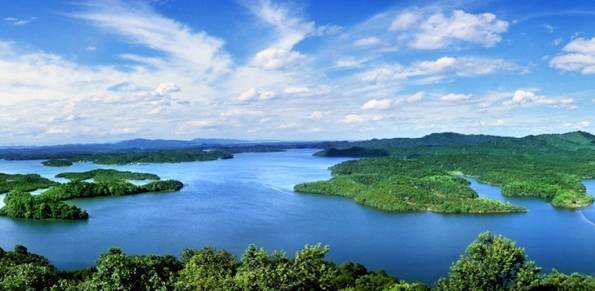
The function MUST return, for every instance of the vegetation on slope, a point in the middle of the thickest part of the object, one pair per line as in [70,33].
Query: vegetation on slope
[397,185]
[24,205]
[57,163]
[107,175]
[355,152]
[136,157]
[550,167]
[489,263]
[19,182]
[50,204]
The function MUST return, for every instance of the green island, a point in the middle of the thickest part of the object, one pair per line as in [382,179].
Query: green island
[137,157]
[57,163]
[491,262]
[398,185]
[23,182]
[107,175]
[550,167]
[51,203]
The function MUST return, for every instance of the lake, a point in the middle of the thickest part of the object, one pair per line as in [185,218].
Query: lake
[249,199]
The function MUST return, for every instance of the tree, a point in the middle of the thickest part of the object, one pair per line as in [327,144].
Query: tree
[491,263]
[207,269]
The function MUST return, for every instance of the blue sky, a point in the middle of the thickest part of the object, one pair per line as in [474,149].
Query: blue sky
[76,71]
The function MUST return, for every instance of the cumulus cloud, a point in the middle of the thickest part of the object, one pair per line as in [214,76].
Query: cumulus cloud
[528,97]
[316,115]
[441,67]
[578,55]
[377,104]
[252,94]
[291,29]
[367,41]
[358,118]
[275,58]
[437,30]
[452,97]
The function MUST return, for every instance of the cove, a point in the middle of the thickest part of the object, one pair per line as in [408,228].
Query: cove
[249,199]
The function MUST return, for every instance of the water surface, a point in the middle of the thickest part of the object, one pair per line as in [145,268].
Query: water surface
[232,203]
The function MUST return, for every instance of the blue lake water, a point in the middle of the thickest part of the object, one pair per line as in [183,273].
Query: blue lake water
[249,199]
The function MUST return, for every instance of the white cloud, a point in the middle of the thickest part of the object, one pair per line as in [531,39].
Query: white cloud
[316,115]
[405,20]
[367,41]
[548,27]
[452,97]
[166,88]
[18,22]
[356,118]
[349,62]
[377,104]
[198,52]
[437,30]
[296,90]
[578,55]
[291,29]
[252,94]
[276,58]
[528,97]
[442,67]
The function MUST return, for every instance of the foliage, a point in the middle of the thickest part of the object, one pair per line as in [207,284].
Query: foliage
[107,175]
[50,204]
[550,167]
[355,152]
[25,205]
[57,163]
[489,263]
[18,182]
[398,185]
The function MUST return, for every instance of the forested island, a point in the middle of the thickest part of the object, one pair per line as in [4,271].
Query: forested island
[405,185]
[490,263]
[550,167]
[19,203]
[137,157]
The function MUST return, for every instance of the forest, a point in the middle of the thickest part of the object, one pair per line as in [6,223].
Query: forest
[491,262]
[404,185]
[550,167]
[51,204]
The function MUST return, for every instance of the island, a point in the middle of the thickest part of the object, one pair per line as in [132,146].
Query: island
[137,157]
[549,166]
[397,185]
[51,203]
[57,163]
[491,262]
[23,182]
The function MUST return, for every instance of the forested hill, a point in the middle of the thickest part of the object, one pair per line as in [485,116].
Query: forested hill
[448,141]
[434,139]
[548,166]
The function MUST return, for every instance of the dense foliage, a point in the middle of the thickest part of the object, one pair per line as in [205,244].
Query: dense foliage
[550,167]
[18,182]
[57,163]
[355,152]
[490,263]
[25,205]
[50,204]
[107,175]
[136,157]
[398,185]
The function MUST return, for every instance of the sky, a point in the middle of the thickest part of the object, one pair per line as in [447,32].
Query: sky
[81,72]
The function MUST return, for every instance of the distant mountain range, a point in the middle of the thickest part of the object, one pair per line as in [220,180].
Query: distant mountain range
[571,140]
